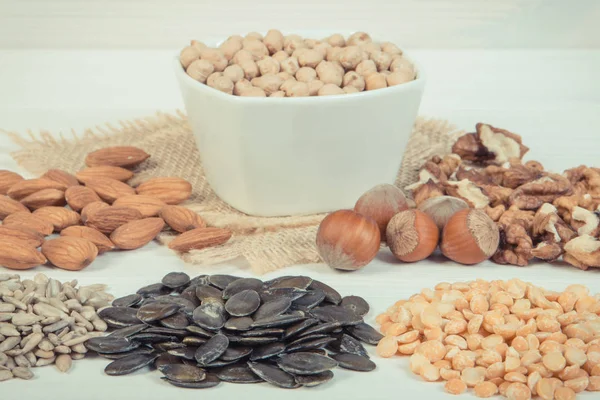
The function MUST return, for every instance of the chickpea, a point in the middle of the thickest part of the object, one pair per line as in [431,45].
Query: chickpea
[280,56]
[306,74]
[310,58]
[241,56]
[188,55]
[200,70]
[382,60]
[358,38]
[293,42]
[386,73]
[336,40]
[256,47]
[314,86]
[299,51]
[352,78]
[298,89]
[198,45]
[399,77]
[237,38]
[290,65]
[390,48]
[254,35]
[366,68]
[285,86]
[375,81]
[401,63]
[284,75]
[334,53]
[250,69]
[351,56]
[350,90]
[240,86]
[234,72]
[210,81]
[329,73]
[269,83]
[221,83]
[274,41]
[338,67]
[216,57]
[322,48]
[268,66]
[279,93]
[253,92]
[370,47]
[330,89]
[230,47]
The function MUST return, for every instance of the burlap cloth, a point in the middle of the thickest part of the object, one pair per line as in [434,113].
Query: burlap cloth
[266,244]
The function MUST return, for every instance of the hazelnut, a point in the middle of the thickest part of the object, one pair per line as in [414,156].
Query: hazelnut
[375,81]
[336,40]
[200,70]
[380,204]
[314,87]
[310,58]
[442,208]
[412,235]
[234,72]
[347,240]
[330,89]
[306,74]
[352,78]
[274,41]
[280,56]
[268,66]
[470,237]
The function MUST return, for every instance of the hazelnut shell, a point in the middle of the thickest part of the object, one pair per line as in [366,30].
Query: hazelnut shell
[412,235]
[470,237]
[381,203]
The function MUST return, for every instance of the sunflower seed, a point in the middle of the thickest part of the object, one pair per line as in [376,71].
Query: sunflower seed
[183,373]
[210,315]
[243,303]
[240,285]
[267,351]
[211,380]
[273,308]
[221,281]
[314,379]
[331,295]
[365,333]
[63,362]
[129,364]
[354,362]
[128,301]
[5,375]
[22,373]
[238,323]
[212,349]
[274,375]
[305,363]
[175,280]
[237,373]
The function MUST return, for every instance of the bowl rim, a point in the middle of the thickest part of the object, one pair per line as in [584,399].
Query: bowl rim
[188,80]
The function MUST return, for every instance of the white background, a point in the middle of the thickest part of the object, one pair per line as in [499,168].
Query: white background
[530,66]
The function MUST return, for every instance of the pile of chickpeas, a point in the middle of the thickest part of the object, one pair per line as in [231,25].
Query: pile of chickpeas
[275,65]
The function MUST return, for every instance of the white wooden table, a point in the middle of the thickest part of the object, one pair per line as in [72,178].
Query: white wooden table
[551,97]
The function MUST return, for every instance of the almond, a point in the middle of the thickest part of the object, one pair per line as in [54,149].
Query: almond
[148,206]
[181,219]
[44,198]
[136,234]
[71,253]
[78,197]
[200,238]
[15,255]
[104,171]
[22,189]
[92,208]
[109,189]
[9,206]
[108,219]
[26,236]
[102,242]
[59,217]
[118,156]
[171,190]
[7,180]
[60,176]
[27,220]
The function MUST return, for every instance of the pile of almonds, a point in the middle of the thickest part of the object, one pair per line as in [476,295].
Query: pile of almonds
[275,65]
[45,322]
[507,337]
[104,213]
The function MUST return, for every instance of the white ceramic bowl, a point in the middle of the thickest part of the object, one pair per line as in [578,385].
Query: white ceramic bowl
[305,155]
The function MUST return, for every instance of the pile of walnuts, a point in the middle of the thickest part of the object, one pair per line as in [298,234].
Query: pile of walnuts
[275,65]
[540,214]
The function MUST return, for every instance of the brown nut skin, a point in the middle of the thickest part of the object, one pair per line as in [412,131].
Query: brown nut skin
[470,237]
[347,240]
[412,235]
[380,204]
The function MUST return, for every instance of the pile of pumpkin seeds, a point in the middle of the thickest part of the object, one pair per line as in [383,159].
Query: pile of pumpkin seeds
[290,331]
[44,322]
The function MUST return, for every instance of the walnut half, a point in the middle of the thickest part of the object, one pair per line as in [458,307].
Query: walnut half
[490,145]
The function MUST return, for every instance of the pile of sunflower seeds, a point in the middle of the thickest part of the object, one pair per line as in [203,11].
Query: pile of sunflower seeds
[289,331]
[44,321]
